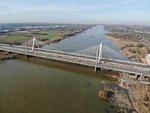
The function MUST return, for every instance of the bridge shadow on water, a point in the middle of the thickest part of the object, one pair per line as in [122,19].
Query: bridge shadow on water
[80,69]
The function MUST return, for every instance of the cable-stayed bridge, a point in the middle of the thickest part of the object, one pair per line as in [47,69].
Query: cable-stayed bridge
[93,61]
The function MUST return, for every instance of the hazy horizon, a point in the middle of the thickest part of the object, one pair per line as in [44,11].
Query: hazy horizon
[131,12]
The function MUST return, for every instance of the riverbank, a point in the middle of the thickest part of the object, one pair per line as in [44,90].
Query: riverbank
[16,38]
[117,96]
[44,37]
[133,97]
[62,36]
[6,55]
[51,37]
[132,48]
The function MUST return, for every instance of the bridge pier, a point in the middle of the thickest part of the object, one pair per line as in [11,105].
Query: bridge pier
[96,60]
[95,68]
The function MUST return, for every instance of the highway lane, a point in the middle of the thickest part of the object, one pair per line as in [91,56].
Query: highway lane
[117,65]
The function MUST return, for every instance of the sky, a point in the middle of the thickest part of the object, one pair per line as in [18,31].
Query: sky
[136,12]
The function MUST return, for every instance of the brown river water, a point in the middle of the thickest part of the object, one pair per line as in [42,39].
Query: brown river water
[32,85]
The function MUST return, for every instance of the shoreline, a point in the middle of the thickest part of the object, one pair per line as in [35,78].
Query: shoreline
[6,55]
[134,50]
[133,101]
[63,36]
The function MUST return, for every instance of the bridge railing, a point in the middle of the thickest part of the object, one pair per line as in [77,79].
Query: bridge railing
[73,54]
[47,50]
[65,53]
[129,62]
[128,66]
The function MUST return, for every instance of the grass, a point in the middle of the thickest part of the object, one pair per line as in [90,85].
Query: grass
[13,39]
[47,36]
[20,38]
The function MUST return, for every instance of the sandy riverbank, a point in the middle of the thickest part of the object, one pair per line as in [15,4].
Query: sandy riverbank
[133,100]
[133,49]
[136,98]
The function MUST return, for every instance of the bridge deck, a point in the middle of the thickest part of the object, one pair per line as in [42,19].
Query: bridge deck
[117,65]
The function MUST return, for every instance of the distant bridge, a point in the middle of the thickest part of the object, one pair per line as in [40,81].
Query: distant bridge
[97,62]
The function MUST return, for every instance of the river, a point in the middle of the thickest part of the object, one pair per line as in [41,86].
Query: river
[88,42]
[32,85]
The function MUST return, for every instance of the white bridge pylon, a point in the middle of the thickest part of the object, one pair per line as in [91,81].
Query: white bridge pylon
[34,41]
[99,53]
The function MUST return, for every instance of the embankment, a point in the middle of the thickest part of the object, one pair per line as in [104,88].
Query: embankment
[6,55]
[136,99]
[61,37]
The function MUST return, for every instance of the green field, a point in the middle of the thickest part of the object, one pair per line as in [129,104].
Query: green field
[47,36]
[13,39]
